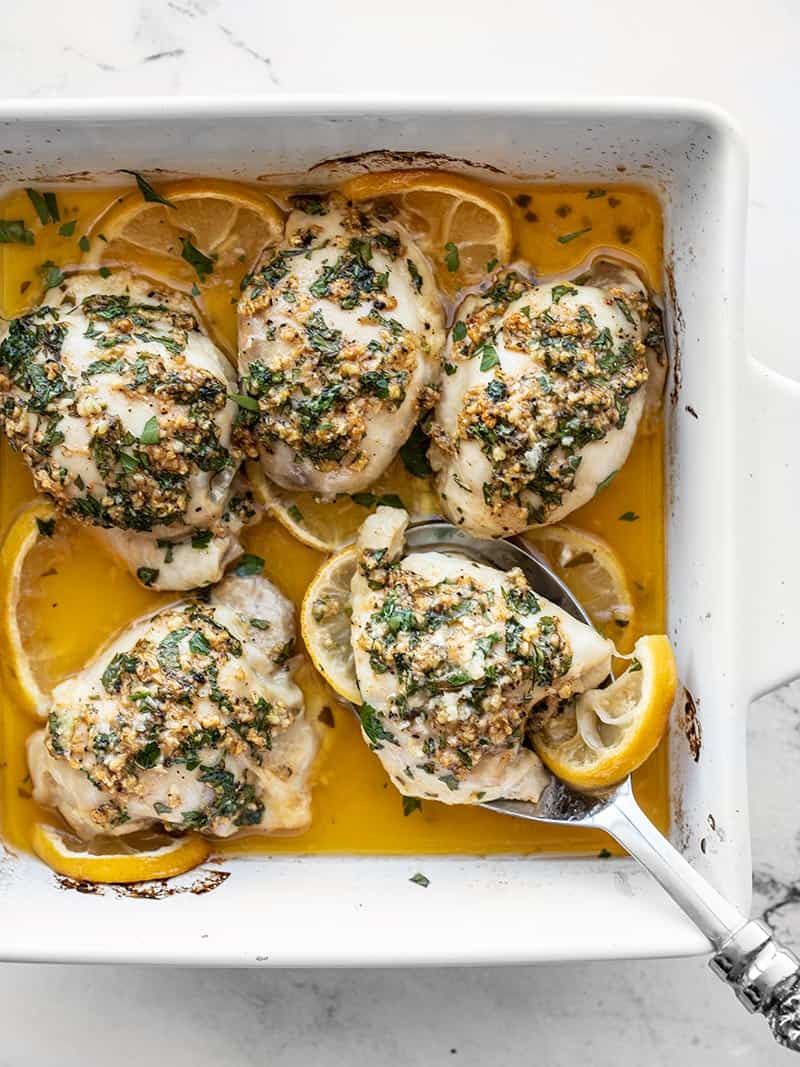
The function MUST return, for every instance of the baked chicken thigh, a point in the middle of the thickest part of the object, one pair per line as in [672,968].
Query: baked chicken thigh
[340,330]
[451,656]
[541,397]
[119,404]
[189,719]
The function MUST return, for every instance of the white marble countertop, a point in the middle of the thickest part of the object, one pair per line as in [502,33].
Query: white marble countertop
[651,1013]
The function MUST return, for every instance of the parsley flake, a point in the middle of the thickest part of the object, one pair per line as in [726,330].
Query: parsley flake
[249,564]
[451,259]
[150,433]
[46,526]
[249,403]
[46,206]
[489,357]
[147,190]
[202,263]
[565,238]
[15,231]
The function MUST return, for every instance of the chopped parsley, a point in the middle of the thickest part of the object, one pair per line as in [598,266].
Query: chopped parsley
[15,231]
[373,727]
[606,482]
[489,357]
[202,264]
[561,290]
[370,500]
[46,527]
[147,190]
[416,277]
[451,258]
[414,453]
[150,433]
[147,575]
[249,565]
[565,238]
[201,539]
[46,206]
[249,403]
[52,275]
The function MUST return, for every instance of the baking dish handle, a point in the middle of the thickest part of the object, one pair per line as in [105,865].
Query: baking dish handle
[768,561]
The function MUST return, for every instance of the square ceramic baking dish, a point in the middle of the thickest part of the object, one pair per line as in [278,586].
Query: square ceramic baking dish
[732,602]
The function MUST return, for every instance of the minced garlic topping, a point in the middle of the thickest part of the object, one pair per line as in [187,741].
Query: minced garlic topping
[573,388]
[339,329]
[465,658]
[116,419]
[183,696]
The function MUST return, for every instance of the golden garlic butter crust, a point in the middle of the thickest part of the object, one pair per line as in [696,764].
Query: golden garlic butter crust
[119,403]
[190,719]
[542,392]
[340,330]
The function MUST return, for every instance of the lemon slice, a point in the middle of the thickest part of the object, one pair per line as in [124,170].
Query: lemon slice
[332,525]
[592,570]
[34,522]
[463,227]
[325,624]
[607,733]
[204,244]
[115,860]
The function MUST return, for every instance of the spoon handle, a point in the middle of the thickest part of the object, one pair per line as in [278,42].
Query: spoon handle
[764,976]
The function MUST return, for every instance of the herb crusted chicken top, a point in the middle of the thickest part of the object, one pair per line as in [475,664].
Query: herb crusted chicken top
[340,328]
[190,719]
[451,656]
[541,396]
[119,403]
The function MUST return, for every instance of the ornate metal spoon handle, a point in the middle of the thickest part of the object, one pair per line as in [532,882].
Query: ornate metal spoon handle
[764,976]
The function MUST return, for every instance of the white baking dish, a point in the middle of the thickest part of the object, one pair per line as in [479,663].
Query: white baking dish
[730,468]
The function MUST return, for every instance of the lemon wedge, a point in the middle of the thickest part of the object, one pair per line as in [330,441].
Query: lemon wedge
[593,572]
[325,624]
[203,241]
[115,860]
[464,228]
[35,521]
[606,734]
[330,526]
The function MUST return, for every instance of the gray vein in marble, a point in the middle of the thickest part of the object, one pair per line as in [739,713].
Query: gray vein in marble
[245,47]
[90,59]
[175,53]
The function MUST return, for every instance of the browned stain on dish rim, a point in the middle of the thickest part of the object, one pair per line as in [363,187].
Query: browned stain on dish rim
[388,158]
[689,724]
[676,322]
[159,889]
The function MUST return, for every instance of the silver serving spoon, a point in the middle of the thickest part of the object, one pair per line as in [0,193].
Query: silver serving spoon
[764,976]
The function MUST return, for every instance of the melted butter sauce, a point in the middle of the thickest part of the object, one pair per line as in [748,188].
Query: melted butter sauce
[75,596]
